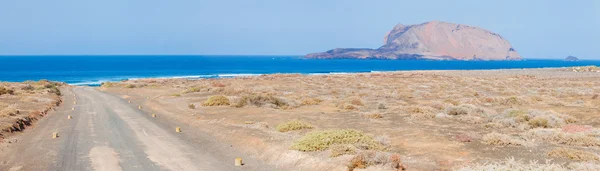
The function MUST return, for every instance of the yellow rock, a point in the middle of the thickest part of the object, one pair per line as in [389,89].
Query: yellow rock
[73,108]
[55,135]
[154,115]
[238,161]
[69,117]
[177,129]
[139,107]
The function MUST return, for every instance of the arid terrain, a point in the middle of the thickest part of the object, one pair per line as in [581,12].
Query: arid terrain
[21,104]
[416,120]
[521,119]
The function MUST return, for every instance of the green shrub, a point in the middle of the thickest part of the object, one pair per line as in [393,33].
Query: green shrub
[322,140]
[293,125]
[218,100]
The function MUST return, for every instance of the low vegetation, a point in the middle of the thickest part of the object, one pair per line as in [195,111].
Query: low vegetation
[501,139]
[218,100]
[260,100]
[311,101]
[342,149]
[368,158]
[293,125]
[510,164]
[559,137]
[4,90]
[322,140]
[573,154]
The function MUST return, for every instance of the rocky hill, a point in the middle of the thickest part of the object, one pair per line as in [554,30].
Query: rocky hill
[435,40]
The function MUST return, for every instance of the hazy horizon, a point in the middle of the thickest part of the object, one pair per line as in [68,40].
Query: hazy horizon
[536,29]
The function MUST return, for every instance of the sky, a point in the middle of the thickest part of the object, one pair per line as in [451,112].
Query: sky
[535,28]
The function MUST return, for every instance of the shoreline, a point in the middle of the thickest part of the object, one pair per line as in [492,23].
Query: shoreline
[238,75]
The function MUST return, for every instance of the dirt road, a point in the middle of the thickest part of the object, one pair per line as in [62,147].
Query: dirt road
[106,133]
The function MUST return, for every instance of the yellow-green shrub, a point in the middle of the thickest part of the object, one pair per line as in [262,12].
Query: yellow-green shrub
[293,125]
[218,100]
[322,140]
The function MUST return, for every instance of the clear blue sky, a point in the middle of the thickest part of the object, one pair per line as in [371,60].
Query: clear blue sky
[536,28]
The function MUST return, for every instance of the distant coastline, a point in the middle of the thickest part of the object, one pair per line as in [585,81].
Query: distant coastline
[85,70]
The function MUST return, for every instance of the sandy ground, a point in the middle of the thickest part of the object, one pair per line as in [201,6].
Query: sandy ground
[21,104]
[433,120]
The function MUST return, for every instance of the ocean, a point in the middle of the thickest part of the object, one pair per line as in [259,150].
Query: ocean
[93,70]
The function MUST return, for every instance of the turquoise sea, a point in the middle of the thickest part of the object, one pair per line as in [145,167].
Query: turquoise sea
[93,70]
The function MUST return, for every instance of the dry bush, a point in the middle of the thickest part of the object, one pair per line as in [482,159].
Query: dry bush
[176,95]
[457,110]
[129,86]
[355,100]
[532,119]
[4,90]
[260,100]
[322,140]
[311,101]
[342,149]
[573,154]
[368,158]
[511,101]
[293,125]
[218,100]
[452,101]
[502,139]
[381,106]
[191,106]
[420,112]
[27,87]
[192,90]
[559,137]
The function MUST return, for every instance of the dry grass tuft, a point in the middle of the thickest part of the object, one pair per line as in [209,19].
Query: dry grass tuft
[191,106]
[501,139]
[293,125]
[573,154]
[311,101]
[218,100]
[373,116]
[260,100]
[322,140]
